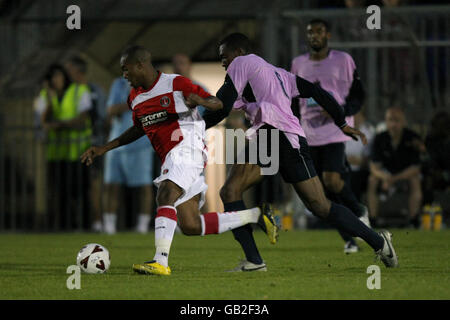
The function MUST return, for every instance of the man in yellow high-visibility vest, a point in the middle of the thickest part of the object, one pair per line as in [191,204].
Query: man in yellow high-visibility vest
[69,131]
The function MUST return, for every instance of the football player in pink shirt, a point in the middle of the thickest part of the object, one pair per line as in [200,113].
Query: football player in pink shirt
[335,72]
[265,93]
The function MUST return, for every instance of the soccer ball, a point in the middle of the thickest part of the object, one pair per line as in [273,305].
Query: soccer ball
[93,258]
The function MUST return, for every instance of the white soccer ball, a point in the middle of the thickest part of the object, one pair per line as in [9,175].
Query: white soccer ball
[94,258]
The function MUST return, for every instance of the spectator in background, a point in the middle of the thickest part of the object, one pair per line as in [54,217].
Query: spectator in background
[395,159]
[182,65]
[130,165]
[358,156]
[68,125]
[437,143]
[77,69]
[39,107]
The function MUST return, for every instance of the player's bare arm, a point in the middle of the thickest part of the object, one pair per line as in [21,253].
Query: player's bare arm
[331,106]
[129,136]
[211,103]
[228,95]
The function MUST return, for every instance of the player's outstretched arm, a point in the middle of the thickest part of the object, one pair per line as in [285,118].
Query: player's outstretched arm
[228,95]
[129,136]
[210,103]
[355,97]
[326,101]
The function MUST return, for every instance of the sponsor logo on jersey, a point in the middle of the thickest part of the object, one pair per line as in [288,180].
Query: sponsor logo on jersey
[153,118]
[165,101]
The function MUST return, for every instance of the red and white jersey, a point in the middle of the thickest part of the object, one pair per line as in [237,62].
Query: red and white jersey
[163,114]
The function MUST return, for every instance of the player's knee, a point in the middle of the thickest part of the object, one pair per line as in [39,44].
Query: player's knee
[166,196]
[372,183]
[228,193]
[319,208]
[191,227]
[333,185]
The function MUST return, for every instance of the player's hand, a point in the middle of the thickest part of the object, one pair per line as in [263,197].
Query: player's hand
[353,133]
[88,156]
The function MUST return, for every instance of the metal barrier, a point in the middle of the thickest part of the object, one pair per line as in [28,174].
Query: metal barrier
[406,62]
[31,196]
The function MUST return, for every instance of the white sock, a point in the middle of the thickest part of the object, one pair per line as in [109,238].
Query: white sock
[143,222]
[109,222]
[97,226]
[165,224]
[219,222]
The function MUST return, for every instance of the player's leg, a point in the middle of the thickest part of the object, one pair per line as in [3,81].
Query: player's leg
[146,200]
[415,199]
[112,196]
[240,178]
[165,225]
[139,174]
[372,196]
[322,159]
[335,177]
[334,184]
[192,223]
[301,174]
[113,179]
[312,194]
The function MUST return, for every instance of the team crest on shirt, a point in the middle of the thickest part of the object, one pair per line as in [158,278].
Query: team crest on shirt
[165,101]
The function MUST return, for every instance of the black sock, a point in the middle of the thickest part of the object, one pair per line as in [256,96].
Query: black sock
[343,219]
[347,198]
[344,235]
[244,234]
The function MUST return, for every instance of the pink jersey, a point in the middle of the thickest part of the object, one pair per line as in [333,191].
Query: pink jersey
[273,89]
[335,75]
[163,114]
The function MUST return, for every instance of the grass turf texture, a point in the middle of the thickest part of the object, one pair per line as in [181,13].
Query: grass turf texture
[303,265]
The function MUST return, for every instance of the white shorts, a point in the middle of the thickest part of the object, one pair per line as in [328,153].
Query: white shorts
[184,165]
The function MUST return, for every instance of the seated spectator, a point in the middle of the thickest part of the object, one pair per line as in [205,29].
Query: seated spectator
[395,159]
[358,156]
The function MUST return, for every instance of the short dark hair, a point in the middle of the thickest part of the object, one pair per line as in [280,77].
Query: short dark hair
[136,53]
[320,21]
[79,63]
[52,69]
[236,41]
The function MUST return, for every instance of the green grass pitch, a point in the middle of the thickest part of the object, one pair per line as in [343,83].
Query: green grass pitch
[302,265]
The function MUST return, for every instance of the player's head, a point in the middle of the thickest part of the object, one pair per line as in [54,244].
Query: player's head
[354,3]
[232,46]
[181,64]
[136,65]
[318,34]
[57,78]
[395,120]
[77,68]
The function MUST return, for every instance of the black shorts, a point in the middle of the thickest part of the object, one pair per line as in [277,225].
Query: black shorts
[295,165]
[330,158]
